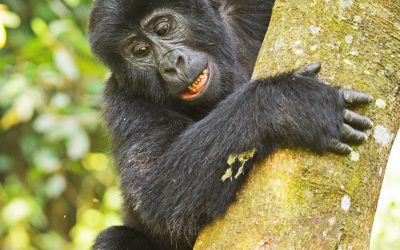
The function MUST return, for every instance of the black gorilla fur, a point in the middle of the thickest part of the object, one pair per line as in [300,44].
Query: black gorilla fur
[171,153]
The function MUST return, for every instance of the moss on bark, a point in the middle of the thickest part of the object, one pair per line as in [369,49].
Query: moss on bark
[300,200]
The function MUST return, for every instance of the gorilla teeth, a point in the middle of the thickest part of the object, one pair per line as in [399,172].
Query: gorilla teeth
[203,77]
[197,86]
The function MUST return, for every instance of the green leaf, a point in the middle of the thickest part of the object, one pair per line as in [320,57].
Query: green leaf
[66,64]
[39,26]
[46,161]
[78,145]
[17,210]
[8,18]
[55,186]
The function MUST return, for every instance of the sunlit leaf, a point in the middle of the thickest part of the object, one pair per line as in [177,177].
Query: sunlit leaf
[17,238]
[38,217]
[112,219]
[55,186]
[60,100]
[9,120]
[46,160]
[13,88]
[73,3]
[50,240]
[83,237]
[3,35]
[39,26]
[44,123]
[17,210]
[113,198]
[58,27]
[65,128]
[26,103]
[78,145]
[24,107]
[95,161]
[66,64]
[91,218]
[51,78]
[8,18]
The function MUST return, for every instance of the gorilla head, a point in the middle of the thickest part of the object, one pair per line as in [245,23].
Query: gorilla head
[168,51]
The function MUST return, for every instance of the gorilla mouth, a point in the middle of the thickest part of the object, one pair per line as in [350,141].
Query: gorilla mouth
[198,85]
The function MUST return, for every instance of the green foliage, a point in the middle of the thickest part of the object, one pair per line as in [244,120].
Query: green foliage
[386,230]
[387,226]
[57,186]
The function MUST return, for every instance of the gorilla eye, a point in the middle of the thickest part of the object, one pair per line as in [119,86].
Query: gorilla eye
[162,27]
[141,49]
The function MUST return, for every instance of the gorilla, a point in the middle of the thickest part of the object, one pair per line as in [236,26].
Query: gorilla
[179,103]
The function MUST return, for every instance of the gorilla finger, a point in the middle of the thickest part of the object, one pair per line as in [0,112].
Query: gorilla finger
[310,70]
[355,97]
[350,134]
[357,120]
[339,147]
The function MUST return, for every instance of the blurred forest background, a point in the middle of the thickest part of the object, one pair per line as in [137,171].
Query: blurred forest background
[57,184]
[58,189]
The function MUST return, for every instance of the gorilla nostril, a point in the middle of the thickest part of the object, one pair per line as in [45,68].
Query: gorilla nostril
[170,71]
[180,62]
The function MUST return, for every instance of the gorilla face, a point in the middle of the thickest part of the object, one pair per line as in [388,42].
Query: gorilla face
[175,51]
[187,73]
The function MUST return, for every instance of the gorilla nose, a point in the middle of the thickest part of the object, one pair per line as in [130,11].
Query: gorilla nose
[173,66]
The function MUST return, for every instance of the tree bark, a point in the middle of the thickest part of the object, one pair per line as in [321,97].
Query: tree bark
[298,199]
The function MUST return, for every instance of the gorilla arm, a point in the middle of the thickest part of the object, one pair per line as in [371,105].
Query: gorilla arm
[171,167]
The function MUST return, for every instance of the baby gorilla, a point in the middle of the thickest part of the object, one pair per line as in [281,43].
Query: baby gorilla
[179,102]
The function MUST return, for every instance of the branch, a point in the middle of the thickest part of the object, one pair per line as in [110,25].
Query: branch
[300,200]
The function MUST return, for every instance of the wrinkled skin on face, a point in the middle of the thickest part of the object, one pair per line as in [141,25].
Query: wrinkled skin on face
[167,55]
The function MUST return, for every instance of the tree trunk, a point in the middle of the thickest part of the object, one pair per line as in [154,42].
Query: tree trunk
[298,199]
